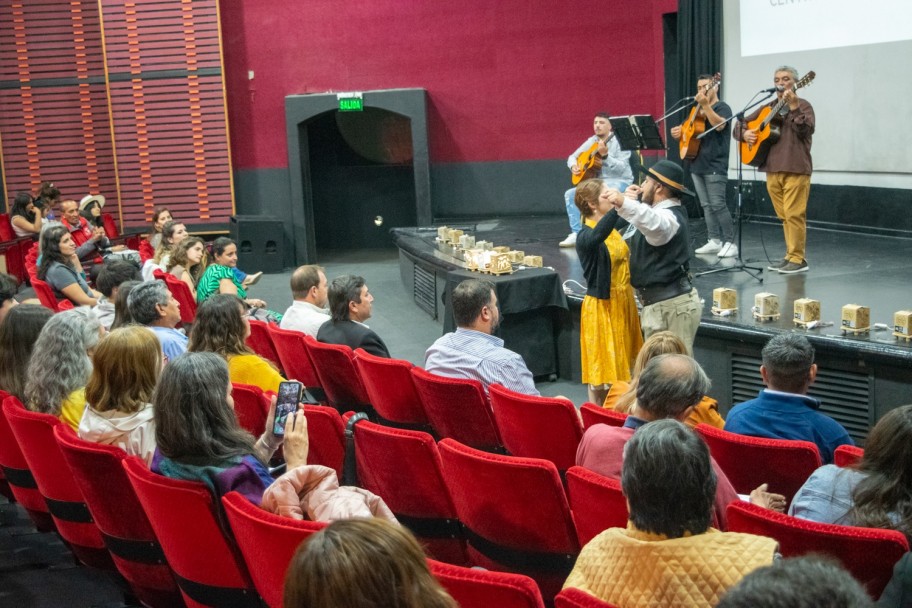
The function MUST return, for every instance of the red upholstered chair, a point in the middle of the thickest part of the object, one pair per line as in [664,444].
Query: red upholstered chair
[146,251]
[594,414]
[868,554]
[403,466]
[261,343]
[45,294]
[515,513]
[391,391]
[124,526]
[847,455]
[474,588]
[326,433]
[576,598]
[208,568]
[457,408]
[267,542]
[182,294]
[596,501]
[537,427]
[13,248]
[339,378]
[291,348]
[750,461]
[31,262]
[251,406]
[17,472]
[35,434]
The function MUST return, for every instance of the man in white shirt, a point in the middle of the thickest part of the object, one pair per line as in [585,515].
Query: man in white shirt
[309,289]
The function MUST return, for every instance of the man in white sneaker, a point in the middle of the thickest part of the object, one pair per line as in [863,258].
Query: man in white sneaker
[615,171]
[709,169]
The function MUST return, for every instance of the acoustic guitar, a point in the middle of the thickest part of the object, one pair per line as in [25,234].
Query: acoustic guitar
[589,162]
[768,125]
[689,145]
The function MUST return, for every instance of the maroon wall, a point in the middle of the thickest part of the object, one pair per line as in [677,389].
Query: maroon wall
[507,80]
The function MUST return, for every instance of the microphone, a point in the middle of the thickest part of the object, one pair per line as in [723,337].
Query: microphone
[773,89]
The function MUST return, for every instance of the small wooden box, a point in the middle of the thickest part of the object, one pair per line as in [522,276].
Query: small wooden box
[500,264]
[532,261]
[855,316]
[725,298]
[486,245]
[902,323]
[501,249]
[807,310]
[516,256]
[766,304]
[442,233]
[453,236]
[466,241]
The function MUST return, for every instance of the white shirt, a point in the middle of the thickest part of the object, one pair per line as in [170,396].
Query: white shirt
[657,224]
[304,317]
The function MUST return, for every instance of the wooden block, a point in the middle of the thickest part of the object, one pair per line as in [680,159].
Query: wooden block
[442,233]
[766,304]
[902,322]
[532,261]
[500,264]
[453,236]
[516,256]
[483,245]
[466,241]
[725,298]
[501,249]
[855,316]
[807,310]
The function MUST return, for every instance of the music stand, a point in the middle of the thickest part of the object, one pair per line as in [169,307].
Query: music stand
[637,132]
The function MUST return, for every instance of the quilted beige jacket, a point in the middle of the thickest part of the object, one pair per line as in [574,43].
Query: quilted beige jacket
[634,569]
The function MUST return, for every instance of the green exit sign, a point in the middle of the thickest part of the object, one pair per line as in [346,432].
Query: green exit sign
[351,104]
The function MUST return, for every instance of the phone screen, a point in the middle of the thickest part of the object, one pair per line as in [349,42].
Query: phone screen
[286,403]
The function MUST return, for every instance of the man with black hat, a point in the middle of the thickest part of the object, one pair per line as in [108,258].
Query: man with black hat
[660,252]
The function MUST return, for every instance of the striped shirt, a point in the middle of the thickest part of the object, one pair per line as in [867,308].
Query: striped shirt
[467,353]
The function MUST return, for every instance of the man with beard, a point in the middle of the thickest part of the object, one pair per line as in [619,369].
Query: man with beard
[660,252]
[472,351]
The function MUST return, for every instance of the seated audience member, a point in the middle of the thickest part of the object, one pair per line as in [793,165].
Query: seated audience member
[60,268]
[473,351]
[362,562]
[25,218]
[125,368]
[669,387]
[19,330]
[784,410]
[152,305]
[188,262]
[198,437]
[122,316]
[90,208]
[350,305]
[668,555]
[310,291]
[160,217]
[809,581]
[876,492]
[221,327]
[9,287]
[61,364]
[91,241]
[222,275]
[47,199]
[109,279]
[622,395]
[171,236]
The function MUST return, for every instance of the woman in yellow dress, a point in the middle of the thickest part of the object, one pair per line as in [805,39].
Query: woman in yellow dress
[610,334]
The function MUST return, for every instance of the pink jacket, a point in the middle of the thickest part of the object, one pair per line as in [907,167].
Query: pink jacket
[313,492]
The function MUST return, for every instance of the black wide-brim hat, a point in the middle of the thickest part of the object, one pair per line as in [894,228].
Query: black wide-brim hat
[669,174]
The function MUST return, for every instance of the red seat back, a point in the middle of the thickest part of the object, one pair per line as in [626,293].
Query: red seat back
[326,433]
[847,455]
[31,261]
[267,542]
[596,501]
[35,434]
[17,472]
[45,294]
[110,226]
[457,408]
[183,515]
[750,461]
[146,251]
[6,229]
[594,414]
[182,294]
[515,512]
[474,588]
[403,466]
[113,504]
[261,343]
[340,380]
[868,554]
[537,427]
[251,406]
[390,389]
[577,598]
[291,348]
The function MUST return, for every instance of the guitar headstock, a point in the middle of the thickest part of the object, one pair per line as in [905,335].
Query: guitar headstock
[805,80]
[715,82]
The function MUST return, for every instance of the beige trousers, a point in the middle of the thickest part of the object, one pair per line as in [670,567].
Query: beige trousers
[679,315]
[789,193]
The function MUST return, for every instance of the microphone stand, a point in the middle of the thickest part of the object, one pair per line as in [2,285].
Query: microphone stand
[739,264]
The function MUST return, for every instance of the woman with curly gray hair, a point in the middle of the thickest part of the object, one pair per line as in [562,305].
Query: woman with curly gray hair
[61,364]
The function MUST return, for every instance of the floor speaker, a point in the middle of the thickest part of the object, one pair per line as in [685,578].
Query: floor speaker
[261,242]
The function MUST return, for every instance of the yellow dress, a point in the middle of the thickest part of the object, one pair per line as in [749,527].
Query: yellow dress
[253,369]
[610,335]
[72,408]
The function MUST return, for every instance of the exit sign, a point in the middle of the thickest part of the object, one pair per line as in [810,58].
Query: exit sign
[350,102]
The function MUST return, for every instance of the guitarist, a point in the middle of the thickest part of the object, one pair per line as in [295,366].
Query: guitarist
[710,168]
[615,171]
[788,169]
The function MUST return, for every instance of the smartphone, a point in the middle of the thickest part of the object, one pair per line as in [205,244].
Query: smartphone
[286,403]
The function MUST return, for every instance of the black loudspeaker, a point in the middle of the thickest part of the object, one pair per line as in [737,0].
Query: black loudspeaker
[261,242]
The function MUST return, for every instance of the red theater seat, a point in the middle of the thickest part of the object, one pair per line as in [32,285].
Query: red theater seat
[339,378]
[291,348]
[17,472]
[261,343]
[474,588]
[326,433]
[576,598]
[251,406]
[597,503]
[391,391]
[847,455]
[594,414]
[182,294]
[457,408]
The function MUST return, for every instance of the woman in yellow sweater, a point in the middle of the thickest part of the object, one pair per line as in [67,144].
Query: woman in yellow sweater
[222,327]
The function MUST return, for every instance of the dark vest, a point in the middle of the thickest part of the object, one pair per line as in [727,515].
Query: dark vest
[651,266]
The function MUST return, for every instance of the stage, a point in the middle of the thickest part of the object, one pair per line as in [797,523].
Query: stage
[860,378]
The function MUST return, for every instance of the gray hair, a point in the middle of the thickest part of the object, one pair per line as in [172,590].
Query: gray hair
[668,480]
[144,299]
[789,69]
[60,361]
[669,384]
[788,358]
